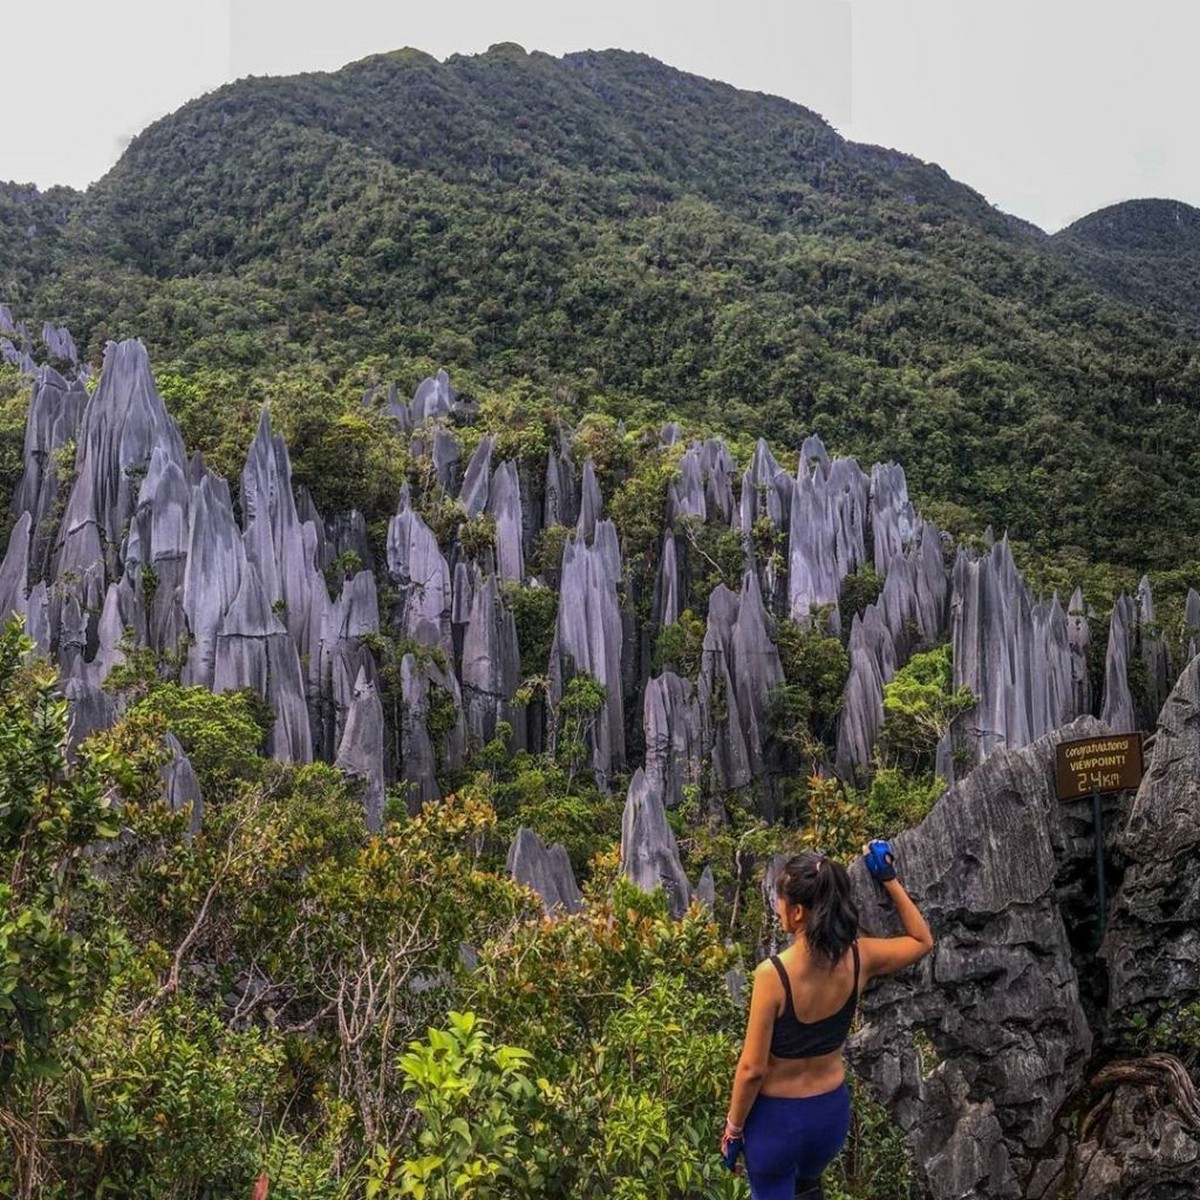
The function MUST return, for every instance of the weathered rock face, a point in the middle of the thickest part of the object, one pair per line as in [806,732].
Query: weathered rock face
[588,638]
[122,424]
[828,524]
[14,570]
[361,753]
[766,492]
[255,650]
[1156,658]
[740,670]
[562,500]
[872,664]
[433,734]
[893,521]
[335,668]
[1016,658]
[976,1048]
[283,550]
[422,580]
[1117,712]
[55,413]
[1143,1141]
[547,871]
[491,665]
[1078,637]
[504,504]
[649,855]
[180,785]
[477,481]
[674,738]
[911,612]
[1153,942]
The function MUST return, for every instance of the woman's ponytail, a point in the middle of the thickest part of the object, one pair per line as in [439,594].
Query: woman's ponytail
[822,886]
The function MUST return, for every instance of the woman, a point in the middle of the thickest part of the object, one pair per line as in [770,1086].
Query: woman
[790,1104]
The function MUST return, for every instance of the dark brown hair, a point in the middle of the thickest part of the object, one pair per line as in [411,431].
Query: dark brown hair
[823,888]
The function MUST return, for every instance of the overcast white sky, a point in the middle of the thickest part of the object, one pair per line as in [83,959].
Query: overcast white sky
[1050,108]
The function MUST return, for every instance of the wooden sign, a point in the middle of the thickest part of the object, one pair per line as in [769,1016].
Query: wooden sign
[1104,764]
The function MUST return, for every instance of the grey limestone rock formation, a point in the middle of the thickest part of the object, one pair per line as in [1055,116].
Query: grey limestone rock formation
[158,545]
[282,548]
[216,561]
[1153,942]
[255,650]
[591,504]
[477,481]
[588,638]
[1191,617]
[562,499]
[429,689]
[342,657]
[14,570]
[181,788]
[741,668]
[975,1050]
[59,343]
[422,580]
[89,709]
[669,591]
[893,521]
[872,664]
[1016,660]
[1156,657]
[546,871]
[433,398]
[766,493]
[649,854]
[674,738]
[360,754]
[504,504]
[447,454]
[827,540]
[491,665]
[122,424]
[55,413]
[1117,712]
[1078,637]
[1142,1140]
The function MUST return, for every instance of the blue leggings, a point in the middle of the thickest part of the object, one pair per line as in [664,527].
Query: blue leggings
[786,1140]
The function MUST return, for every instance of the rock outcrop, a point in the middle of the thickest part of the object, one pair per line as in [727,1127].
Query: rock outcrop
[649,854]
[588,636]
[360,754]
[1152,947]
[975,1050]
[547,871]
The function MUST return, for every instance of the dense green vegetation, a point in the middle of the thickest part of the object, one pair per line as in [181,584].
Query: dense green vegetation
[612,235]
[1147,252]
[282,994]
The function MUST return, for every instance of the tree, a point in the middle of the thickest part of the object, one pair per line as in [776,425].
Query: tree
[920,704]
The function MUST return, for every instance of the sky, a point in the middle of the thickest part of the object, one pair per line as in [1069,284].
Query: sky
[1049,108]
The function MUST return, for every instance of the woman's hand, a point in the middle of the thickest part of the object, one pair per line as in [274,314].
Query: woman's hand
[732,1134]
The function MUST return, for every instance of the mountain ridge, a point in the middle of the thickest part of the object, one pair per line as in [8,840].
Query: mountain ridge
[636,240]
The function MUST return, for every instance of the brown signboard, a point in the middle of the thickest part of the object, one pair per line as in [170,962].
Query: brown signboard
[1103,764]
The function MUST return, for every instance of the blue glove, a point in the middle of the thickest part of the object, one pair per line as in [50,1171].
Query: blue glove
[880,860]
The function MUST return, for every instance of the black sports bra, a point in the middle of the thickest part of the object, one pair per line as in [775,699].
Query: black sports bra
[793,1038]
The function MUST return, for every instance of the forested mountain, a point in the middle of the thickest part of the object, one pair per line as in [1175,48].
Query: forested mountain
[631,238]
[396,763]
[1144,251]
